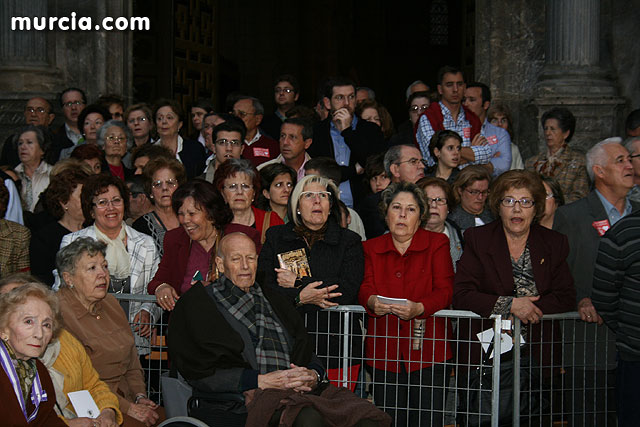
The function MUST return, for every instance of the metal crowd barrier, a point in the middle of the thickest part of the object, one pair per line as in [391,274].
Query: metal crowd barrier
[563,374]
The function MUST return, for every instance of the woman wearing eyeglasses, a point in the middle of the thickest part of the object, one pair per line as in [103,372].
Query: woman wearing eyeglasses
[334,272]
[471,189]
[132,256]
[161,178]
[515,267]
[115,139]
[138,119]
[238,181]
[440,200]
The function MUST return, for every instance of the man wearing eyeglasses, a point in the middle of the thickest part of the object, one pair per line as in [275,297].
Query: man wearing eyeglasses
[38,112]
[226,142]
[72,100]
[346,139]
[259,148]
[450,114]
[286,92]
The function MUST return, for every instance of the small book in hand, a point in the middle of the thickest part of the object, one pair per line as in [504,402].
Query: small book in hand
[295,261]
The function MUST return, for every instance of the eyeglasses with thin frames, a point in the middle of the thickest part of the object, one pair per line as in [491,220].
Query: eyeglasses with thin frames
[170,183]
[116,202]
[243,188]
[414,162]
[509,202]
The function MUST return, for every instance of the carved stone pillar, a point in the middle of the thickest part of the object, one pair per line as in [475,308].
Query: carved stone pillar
[572,75]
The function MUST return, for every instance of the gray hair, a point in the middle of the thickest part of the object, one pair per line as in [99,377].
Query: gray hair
[257,105]
[68,257]
[628,143]
[102,132]
[392,156]
[294,199]
[42,139]
[408,91]
[597,155]
[370,92]
[390,193]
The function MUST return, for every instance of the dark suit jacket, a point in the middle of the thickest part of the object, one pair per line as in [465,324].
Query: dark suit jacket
[367,139]
[484,273]
[10,411]
[372,218]
[193,157]
[575,221]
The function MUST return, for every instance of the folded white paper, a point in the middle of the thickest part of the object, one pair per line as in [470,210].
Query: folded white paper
[83,404]
[396,301]
[506,341]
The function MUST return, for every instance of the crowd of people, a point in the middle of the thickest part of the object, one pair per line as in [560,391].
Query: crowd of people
[255,219]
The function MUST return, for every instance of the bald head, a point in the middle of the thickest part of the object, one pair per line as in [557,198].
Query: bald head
[38,112]
[237,260]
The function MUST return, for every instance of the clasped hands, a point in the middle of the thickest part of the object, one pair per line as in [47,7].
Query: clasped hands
[404,312]
[296,378]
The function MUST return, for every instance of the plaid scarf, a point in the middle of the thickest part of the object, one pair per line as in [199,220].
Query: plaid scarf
[25,369]
[254,312]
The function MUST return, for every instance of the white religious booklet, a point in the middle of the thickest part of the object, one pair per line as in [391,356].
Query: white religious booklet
[396,301]
[83,404]
[506,341]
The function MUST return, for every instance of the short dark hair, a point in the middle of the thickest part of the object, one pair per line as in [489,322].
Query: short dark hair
[71,89]
[327,167]
[257,105]
[151,151]
[89,109]
[207,198]
[486,92]
[60,189]
[174,105]
[421,94]
[374,166]
[95,185]
[154,165]
[307,126]
[332,82]
[291,79]
[136,185]
[87,152]
[230,126]
[517,179]
[448,69]
[203,103]
[232,167]
[46,101]
[633,120]
[439,138]
[108,100]
[267,175]
[566,120]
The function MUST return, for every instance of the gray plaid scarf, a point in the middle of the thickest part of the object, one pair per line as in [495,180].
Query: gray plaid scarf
[254,311]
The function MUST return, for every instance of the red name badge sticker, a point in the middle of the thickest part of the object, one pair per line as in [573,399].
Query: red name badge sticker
[260,152]
[493,139]
[466,132]
[601,226]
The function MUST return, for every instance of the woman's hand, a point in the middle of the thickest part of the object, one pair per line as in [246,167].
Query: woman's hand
[409,311]
[588,312]
[378,308]
[83,422]
[147,402]
[143,323]
[297,378]
[143,413]
[286,278]
[107,418]
[308,377]
[525,310]
[310,294]
[166,296]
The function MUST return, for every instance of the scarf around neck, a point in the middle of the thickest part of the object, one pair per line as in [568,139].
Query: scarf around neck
[117,256]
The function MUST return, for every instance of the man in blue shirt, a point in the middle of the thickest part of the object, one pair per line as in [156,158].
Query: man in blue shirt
[477,98]
[344,138]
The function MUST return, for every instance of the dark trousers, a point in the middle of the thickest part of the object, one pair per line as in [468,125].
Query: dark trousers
[412,399]
[628,393]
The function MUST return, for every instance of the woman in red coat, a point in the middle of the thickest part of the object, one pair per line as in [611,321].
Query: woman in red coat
[406,345]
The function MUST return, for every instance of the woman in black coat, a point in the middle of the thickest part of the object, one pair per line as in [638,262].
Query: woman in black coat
[331,277]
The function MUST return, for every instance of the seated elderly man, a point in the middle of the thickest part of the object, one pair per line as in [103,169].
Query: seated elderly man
[232,337]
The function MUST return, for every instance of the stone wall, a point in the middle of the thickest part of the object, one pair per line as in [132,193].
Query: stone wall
[41,63]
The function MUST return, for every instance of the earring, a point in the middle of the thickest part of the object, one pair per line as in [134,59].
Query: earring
[298,211]
[70,285]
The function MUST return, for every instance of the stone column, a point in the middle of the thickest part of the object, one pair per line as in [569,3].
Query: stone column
[572,75]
